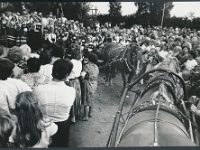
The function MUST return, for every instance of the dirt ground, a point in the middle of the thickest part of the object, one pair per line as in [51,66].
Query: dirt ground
[95,132]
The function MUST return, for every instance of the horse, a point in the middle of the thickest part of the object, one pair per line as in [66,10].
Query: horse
[158,114]
[124,59]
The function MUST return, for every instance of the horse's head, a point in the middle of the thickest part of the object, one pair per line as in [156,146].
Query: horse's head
[134,56]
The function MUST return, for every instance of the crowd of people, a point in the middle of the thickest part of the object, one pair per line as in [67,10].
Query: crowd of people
[36,95]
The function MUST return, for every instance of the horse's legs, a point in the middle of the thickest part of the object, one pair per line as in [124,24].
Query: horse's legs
[107,71]
[130,76]
[108,75]
[124,80]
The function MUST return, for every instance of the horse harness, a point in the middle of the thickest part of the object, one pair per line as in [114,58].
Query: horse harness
[122,59]
[117,59]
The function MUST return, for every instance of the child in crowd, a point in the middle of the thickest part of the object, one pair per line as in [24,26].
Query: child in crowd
[32,129]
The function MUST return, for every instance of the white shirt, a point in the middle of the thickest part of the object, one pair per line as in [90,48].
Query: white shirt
[63,19]
[163,54]
[77,68]
[56,100]
[190,64]
[46,70]
[50,129]
[34,55]
[46,135]
[9,89]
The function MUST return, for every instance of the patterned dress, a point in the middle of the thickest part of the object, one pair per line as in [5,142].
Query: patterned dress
[90,83]
[35,79]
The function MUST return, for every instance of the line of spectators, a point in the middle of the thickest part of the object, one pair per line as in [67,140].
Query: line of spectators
[36,97]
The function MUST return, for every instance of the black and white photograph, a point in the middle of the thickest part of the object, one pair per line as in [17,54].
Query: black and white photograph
[99,74]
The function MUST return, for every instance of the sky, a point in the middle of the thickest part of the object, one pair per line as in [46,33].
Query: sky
[181,9]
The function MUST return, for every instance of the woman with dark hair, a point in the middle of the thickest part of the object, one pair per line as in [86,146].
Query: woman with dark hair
[34,78]
[32,129]
[57,53]
[46,67]
[89,74]
[56,99]
[10,87]
[44,58]
[190,62]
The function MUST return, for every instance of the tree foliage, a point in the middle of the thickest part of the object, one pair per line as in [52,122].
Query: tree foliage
[14,6]
[72,10]
[191,16]
[115,9]
[153,11]
[115,12]
[76,10]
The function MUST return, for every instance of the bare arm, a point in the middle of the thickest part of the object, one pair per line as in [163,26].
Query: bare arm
[49,38]
[195,110]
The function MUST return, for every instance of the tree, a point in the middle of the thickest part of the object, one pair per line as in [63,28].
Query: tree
[152,11]
[11,6]
[191,16]
[115,12]
[44,7]
[76,11]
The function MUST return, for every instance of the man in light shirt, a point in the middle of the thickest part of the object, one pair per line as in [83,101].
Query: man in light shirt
[56,54]
[9,87]
[56,100]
